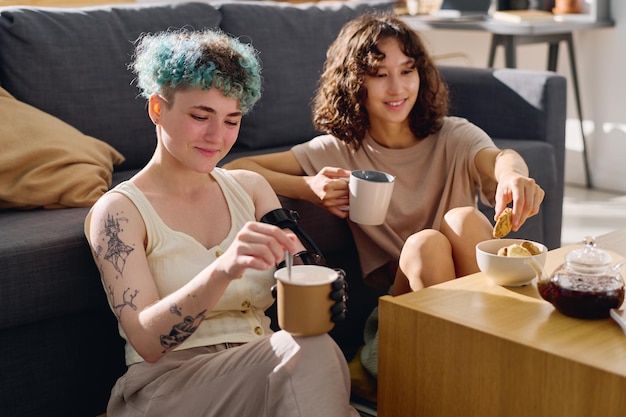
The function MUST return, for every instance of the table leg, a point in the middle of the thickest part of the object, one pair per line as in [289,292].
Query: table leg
[492,51]
[553,55]
[508,42]
[572,61]
[510,53]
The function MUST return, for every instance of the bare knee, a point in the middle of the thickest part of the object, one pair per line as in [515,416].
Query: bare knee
[426,259]
[465,227]
[460,219]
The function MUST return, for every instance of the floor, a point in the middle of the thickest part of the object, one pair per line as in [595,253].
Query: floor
[590,212]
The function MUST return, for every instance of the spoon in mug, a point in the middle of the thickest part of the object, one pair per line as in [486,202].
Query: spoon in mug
[289,263]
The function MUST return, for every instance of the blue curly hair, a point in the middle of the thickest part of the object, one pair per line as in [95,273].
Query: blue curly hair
[167,61]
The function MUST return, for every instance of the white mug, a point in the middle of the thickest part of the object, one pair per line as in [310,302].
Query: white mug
[370,195]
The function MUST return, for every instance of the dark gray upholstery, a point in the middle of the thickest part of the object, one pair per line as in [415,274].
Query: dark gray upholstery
[59,348]
[73,64]
[291,65]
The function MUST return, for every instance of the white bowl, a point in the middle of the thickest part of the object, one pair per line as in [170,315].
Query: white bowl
[512,271]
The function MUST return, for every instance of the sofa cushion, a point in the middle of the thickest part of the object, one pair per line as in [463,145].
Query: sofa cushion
[291,64]
[47,269]
[72,63]
[46,162]
[60,367]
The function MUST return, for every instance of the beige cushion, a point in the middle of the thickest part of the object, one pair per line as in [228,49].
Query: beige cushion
[44,162]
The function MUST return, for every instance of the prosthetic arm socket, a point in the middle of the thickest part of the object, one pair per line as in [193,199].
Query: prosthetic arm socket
[288,219]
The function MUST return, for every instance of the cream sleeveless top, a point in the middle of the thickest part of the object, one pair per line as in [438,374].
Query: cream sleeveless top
[175,258]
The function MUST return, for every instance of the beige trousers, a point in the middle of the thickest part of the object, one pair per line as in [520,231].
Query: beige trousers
[277,376]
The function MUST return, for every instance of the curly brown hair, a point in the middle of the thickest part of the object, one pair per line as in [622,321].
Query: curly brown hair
[338,105]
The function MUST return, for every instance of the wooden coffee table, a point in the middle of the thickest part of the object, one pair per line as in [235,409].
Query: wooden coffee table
[469,347]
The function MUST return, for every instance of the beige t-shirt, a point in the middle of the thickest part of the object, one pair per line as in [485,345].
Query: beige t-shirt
[433,176]
[175,257]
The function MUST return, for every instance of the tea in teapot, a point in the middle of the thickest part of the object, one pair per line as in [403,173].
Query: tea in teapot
[586,285]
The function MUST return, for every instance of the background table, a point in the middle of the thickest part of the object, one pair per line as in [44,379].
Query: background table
[471,348]
[511,35]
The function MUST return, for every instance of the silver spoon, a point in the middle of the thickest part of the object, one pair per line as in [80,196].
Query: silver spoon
[289,263]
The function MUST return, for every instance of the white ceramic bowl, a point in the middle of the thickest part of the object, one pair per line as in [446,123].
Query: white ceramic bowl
[510,271]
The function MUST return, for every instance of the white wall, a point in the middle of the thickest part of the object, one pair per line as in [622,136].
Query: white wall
[601,63]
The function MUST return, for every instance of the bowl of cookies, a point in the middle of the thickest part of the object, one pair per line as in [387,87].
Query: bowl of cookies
[505,261]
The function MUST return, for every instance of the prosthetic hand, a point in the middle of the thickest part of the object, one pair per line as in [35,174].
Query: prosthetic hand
[287,219]
[339,295]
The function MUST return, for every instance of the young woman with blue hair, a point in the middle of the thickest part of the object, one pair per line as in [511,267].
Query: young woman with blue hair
[187,259]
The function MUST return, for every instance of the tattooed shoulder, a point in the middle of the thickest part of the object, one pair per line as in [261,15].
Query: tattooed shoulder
[110,246]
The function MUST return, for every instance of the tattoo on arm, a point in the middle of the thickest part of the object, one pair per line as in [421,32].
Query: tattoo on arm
[117,251]
[174,309]
[181,331]
[125,302]
[110,248]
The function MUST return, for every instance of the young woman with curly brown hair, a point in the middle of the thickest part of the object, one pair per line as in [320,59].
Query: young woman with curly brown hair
[383,106]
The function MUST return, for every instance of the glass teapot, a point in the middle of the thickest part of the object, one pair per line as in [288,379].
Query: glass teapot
[586,285]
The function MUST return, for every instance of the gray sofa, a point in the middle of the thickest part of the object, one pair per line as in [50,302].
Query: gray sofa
[59,348]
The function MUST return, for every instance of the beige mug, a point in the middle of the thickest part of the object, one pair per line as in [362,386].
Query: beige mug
[303,301]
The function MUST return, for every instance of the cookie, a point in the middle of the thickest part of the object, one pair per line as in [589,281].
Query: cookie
[534,250]
[514,250]
[503,224]
[519,249]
